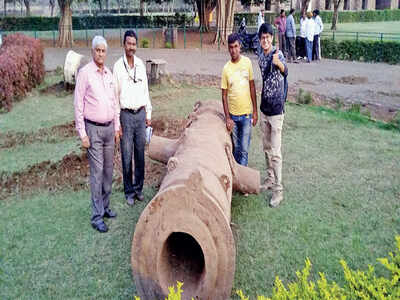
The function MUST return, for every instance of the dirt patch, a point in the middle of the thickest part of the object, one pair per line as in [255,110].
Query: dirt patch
[352,80]
[56,89]
[48,135]
[197,79]
[72,172]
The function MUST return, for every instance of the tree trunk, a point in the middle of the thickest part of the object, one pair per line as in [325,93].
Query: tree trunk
[335,14]
[225,14]
[52,3]
[141,8]
[28,8]
[204,8]
[119,6]
[107,5]
[304,5]
[100,5]
[5,7]
[65,38]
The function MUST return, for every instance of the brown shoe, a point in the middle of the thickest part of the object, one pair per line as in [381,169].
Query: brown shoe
[277,198]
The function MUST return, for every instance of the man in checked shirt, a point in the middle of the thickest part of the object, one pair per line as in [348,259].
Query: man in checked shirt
[133,96]
[97,123]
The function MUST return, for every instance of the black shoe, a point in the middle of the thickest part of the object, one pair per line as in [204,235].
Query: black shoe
[130,201]
[108,213]
[139,196]
[100,227]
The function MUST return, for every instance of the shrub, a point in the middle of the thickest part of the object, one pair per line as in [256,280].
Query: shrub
[144,43]
[304,97]
[93,22]
[21,67]
[372,51]
[168,45]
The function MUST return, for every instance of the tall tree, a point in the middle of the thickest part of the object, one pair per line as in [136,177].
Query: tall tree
[225,14]
[304,6]
[27,8]
[52,4]
[204,8]
[5,7]
[65,38]
[335,15]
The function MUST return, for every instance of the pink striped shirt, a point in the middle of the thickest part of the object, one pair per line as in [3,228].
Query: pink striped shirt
[95,98]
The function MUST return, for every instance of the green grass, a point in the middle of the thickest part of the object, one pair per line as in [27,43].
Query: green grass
[342,193]
[36,112]
[21,157]
[366,31]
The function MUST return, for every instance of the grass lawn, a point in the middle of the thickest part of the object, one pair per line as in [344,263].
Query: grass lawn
[342,193]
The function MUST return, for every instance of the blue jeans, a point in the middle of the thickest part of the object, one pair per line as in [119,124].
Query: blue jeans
[241,136]
[309,47]
[133,142]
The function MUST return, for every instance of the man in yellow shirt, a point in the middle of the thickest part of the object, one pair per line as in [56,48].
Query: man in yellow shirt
[239,99]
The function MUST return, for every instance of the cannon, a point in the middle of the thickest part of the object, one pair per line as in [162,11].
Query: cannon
[184,232]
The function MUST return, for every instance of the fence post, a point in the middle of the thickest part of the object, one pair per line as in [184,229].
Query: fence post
[154,38]
[54,38]
[184,35]
[201,38]
[381,37]
[103,32]
[35,34]
[333,35]
[86,35]
[120,34]
[356,36]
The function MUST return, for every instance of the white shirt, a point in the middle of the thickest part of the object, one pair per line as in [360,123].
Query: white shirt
[318,25]
[310,28]
[131,94]
[303,27]
[260,20]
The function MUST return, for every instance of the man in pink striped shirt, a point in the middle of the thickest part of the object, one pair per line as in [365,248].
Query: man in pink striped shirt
[97,123]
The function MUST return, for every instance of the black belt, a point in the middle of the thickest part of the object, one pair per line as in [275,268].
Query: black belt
[133,111]
[98,124]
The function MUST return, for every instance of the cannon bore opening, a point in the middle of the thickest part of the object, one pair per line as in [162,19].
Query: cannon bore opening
[182,259]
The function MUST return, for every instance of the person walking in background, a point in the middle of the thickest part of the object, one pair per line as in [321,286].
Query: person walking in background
[273,70]
[280,23]
[239,99]
[291,37]
[310,28]
[97,123]
[319,27]
[133,95]
[301,40]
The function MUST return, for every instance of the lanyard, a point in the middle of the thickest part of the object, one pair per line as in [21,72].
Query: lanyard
[129,74]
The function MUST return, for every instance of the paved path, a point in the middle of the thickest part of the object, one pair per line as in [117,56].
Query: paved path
[370,83]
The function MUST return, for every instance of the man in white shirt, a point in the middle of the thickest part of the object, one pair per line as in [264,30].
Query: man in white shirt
[319,27]
[133,94]
[310,29]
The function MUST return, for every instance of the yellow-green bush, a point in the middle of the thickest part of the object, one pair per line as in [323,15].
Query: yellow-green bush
[359,284]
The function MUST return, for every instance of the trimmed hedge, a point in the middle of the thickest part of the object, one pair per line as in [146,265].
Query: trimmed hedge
[91,22]
[326,15]
[371,51]
[21,67]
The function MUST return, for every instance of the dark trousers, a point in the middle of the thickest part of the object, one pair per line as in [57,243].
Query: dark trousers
[101,163]
[291,46]
[315,50]
[282,43]
[133,143]
[301,46]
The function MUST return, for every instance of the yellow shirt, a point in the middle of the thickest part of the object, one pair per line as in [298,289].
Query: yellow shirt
[235,79]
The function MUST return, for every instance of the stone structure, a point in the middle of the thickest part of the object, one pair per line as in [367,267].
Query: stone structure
[184,233]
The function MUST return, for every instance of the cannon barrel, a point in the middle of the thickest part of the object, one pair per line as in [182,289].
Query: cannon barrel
[184,233]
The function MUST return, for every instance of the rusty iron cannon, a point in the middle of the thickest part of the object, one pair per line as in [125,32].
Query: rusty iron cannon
[184,233]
